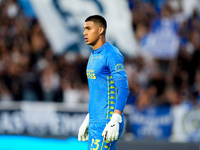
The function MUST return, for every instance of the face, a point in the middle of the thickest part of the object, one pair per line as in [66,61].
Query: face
[91,33]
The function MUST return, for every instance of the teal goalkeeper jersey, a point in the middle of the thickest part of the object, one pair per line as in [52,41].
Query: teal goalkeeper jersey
[106,77]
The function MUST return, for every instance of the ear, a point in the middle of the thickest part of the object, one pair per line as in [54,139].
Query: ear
[101,30]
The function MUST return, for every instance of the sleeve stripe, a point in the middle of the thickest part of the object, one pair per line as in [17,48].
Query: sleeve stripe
[108,95]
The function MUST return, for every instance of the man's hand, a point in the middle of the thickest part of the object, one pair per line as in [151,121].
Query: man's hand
[111,131]
[83,130]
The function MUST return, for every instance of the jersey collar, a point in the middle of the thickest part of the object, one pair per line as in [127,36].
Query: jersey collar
[100,48]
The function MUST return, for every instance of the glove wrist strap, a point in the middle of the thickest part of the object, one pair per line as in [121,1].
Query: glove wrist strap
[116,117]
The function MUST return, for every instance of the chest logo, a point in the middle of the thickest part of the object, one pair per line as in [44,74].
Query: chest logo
[98,57]
[91,60]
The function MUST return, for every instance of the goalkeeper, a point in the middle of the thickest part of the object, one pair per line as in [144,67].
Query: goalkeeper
[108,89]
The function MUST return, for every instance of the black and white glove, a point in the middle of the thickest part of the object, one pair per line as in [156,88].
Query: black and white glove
[111,131]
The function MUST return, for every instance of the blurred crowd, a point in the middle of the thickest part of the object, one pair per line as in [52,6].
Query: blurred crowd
[30,71]
[155,80]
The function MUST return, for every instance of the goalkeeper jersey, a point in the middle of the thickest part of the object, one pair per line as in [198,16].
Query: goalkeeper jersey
[106,75]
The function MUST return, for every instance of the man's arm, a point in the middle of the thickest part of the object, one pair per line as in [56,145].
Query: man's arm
[118,112]
[117,69]
[111,131]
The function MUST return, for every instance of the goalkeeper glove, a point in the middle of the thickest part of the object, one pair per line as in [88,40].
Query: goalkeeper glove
[83,130]
[111,131]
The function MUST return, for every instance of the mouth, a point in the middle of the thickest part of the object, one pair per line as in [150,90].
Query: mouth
[86,39]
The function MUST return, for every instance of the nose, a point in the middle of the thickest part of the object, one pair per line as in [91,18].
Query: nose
[84,33]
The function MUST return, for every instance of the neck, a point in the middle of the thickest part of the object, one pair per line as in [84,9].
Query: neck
[99,43]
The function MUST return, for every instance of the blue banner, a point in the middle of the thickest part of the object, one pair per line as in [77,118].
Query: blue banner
[151,123]
[163,42]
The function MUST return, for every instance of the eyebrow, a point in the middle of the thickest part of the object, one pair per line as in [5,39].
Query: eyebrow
[87,27]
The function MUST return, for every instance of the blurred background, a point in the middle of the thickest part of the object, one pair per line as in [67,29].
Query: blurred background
[43,86]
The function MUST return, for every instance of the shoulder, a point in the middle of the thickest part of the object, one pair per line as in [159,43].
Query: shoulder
[113,51]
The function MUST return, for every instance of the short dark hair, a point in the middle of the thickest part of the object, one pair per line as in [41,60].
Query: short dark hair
[98,19]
